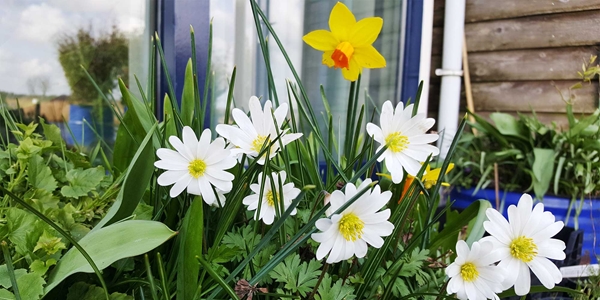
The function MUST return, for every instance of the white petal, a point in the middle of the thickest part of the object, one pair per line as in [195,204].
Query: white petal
[514,219]
[280,114]
[523,283]
[222,185]
[462,249]
[170,177]
[207,192]
[452,270]
[171,156]
[375,132]
[242,120]
[423,139]
[360,248]
[541,273]
[394,167]
[194,187]
[497,226]
[171,165]
[251,201]
[552,248]
[179,186]
[204,144]
[181,148]
[386,116]
[548,232]
[189,139]
[411,165]
[323,224]
[372,238]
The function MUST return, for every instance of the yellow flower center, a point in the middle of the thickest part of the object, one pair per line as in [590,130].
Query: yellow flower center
[523,248]
[351,227]
[396,142]
[259,141]
[468,272]
[342,54]
[197,168]
[271,198]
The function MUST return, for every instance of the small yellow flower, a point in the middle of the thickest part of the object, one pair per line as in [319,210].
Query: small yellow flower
[348,45]
[431,176]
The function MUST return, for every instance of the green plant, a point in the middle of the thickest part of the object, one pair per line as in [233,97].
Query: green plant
[105,57]
[532,156]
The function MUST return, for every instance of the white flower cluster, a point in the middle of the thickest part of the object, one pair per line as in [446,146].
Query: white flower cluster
[503,259]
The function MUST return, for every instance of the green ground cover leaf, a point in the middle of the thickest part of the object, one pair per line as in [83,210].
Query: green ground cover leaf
[81,181]
[337,291]
[5,279]
[297,276]
[40,175]
[31,286]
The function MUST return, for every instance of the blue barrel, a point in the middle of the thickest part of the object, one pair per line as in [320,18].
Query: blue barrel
[83,132]
[588,221]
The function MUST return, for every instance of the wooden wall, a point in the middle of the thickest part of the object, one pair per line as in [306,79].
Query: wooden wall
[521,51]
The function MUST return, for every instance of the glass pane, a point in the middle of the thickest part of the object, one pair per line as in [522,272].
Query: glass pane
[235,43]
[43,43]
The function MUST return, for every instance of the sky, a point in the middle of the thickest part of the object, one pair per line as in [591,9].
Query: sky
[29,30]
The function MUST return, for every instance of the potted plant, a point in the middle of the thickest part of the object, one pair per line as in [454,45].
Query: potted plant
[509,155]
[104,58]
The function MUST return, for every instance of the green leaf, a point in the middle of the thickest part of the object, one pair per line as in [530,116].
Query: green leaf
[132,191]
[448,236]
[338,291]
[52,133]
[143,211]
[41,267]
[4,277]
[84,291]
[507,124]
[543,168]
[187,97]
[81,181]
[476,230]
[24,229]
[6,295]
[39,175]
[169,118]
[109,244]
[136,123]
[31,286]
[190,247]
[297,277]
[49,243]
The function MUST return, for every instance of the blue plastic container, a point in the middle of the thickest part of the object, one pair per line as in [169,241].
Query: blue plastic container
[83,132]
[588,220]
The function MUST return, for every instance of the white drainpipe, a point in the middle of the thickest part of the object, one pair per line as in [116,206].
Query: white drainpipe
[451,72]
[425,64]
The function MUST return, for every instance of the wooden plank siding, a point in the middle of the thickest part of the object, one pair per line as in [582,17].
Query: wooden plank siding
[531,64]
[522,52]
[482,10]
[545,31]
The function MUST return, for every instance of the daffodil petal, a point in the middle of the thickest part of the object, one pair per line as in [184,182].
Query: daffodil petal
[365,31]
[353,71]
[369,57]
[341,21]
[327,60]
[321,40]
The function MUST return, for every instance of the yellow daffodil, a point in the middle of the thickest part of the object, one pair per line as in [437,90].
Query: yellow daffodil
[429,179]
[348,45]
[431,176]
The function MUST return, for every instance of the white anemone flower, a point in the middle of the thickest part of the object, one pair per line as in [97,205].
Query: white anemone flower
[405,138]
[271,193]
[197,165]
[473,274]
[348,233]
[524,242]
[251,134]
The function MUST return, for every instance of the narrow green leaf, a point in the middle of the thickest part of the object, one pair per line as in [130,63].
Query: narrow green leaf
[109,244]
[543,168]
[187,97]
[190,247]
[140,171]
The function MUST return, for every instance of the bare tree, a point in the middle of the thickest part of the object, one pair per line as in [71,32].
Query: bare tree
[39,85]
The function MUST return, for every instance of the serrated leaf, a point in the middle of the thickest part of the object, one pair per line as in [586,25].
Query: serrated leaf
[31,286]
[4,277]
[109,244]
[298,277]
[39,175]
[41,267]
[49,243]
[23,228]
[81,181]
[52,132]
[336,292]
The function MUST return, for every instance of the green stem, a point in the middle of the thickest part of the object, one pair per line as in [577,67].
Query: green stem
[11,270]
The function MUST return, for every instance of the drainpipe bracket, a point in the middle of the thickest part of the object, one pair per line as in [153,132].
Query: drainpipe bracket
[446,72]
